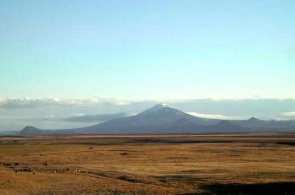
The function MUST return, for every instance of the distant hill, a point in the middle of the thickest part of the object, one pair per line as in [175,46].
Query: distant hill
[30,130]
[262,125]
[163,119]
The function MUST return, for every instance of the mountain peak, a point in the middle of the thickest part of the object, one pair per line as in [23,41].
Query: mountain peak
[160,106]
[30,130]
[253,119]
[162,109]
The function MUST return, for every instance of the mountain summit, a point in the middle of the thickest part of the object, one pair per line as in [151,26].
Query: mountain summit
[163,110]
[160,107]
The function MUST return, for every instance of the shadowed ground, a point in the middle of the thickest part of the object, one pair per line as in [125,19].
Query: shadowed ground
[282,188]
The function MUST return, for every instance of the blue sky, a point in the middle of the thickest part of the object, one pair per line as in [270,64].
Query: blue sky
[141,50]
[238,55]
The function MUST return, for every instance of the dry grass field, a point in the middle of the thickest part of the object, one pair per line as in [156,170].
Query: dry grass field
[148,164]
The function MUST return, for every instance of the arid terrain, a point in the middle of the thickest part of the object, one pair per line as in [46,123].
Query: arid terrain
[148,164]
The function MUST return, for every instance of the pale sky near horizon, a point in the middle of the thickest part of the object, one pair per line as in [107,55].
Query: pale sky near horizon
[147,50]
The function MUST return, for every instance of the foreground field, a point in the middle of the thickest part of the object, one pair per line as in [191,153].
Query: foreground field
[148,164]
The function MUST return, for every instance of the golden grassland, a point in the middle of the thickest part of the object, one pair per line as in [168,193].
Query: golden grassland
[148,164]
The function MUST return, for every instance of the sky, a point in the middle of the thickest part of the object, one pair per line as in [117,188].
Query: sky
[145,51]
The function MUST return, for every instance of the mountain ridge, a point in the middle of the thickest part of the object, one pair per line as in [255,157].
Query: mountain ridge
[163,118]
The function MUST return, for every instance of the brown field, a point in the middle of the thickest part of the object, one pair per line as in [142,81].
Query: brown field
[148,164]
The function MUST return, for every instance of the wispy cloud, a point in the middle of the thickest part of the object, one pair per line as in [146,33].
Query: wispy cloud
[12,103]
[212,116]
[252,98]
[288,115]
[17,103]
[85,118]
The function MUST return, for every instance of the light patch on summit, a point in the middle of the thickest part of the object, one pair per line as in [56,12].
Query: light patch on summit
[160,106]
[166,105]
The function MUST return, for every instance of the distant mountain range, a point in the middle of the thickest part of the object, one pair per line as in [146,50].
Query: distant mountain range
[162,119]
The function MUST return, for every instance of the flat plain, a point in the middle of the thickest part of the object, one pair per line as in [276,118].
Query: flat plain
[148,164]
